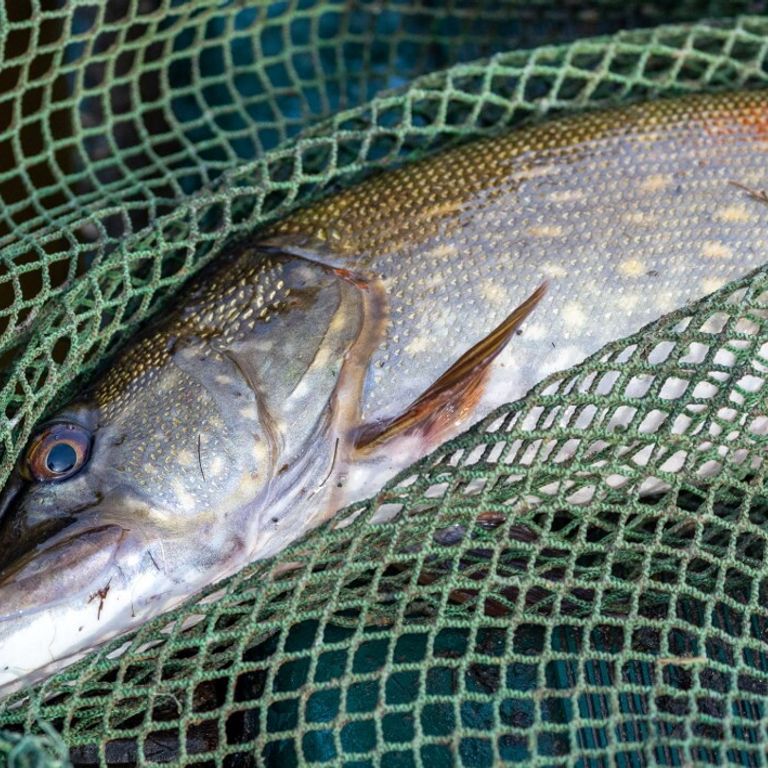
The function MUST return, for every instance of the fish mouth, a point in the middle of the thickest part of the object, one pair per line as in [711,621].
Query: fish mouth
[73,562]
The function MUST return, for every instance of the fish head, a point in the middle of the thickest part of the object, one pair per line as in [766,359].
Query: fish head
[135,470]
[178,467]
[115,508]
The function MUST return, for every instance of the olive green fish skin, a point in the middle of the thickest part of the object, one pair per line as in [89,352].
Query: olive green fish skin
[228,429]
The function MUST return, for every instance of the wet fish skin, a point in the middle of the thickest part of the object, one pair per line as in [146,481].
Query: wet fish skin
[278,391]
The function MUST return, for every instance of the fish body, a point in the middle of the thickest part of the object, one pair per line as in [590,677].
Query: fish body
[352,338]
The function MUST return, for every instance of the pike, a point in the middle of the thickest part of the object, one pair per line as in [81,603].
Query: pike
[315,361]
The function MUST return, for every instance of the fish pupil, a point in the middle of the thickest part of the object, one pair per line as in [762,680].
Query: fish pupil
[61,458]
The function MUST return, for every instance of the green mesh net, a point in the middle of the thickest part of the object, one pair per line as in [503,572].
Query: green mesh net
[33,751]
[599,624]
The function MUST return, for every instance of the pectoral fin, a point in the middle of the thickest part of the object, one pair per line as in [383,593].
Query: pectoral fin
[455,394]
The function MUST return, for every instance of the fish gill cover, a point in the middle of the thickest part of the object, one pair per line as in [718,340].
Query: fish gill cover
[597,625]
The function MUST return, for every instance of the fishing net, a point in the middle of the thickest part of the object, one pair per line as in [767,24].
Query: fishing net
[580,579]
[33,751]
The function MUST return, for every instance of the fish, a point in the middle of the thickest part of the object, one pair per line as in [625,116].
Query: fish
[324,354]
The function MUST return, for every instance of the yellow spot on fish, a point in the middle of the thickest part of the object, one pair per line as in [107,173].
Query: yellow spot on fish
[554,270]
[535,331]
[183,496]
[566,195]
[419,344]
[656,182]
[640,217]
[433,281]
[493,292]
[628,301]
[223,379]
[665,301]
[545,230]
[249,412]
[710,284]
[439,211]
[540,170]
[216,466]
[632,268]
[574,315]
[260,454]
[713,249]
[185,458]
[443,251]
[733,213]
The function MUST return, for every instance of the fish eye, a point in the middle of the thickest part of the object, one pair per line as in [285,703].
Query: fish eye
[58,452]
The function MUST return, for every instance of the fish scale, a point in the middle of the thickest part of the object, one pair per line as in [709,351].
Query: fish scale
[313,362]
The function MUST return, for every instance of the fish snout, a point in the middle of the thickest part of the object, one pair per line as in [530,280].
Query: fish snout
[72,562]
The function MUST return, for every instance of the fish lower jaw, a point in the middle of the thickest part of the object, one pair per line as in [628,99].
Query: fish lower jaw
[37,644]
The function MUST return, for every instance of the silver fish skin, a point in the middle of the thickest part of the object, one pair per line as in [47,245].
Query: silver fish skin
[352,338]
